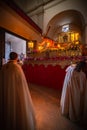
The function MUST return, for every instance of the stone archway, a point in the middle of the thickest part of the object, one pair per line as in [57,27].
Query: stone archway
[71,17]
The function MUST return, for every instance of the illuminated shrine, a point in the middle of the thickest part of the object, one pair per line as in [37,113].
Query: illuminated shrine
[68,44]
[65,50]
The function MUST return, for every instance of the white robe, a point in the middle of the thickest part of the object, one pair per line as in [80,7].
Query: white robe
[16,107]
[73,95]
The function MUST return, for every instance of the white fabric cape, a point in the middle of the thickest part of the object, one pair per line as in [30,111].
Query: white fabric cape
[73,101]
[16,107]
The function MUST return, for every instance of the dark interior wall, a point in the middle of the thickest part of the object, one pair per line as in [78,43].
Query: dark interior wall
[18,23]
[2,45]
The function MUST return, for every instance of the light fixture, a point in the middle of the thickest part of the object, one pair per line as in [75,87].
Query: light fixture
[30,44]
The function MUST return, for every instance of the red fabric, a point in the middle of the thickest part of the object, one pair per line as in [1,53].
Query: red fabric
[50,76]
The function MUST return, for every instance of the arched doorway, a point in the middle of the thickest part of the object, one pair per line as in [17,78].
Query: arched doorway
[72,18]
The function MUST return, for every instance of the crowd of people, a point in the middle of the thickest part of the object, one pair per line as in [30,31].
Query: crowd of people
[16,106]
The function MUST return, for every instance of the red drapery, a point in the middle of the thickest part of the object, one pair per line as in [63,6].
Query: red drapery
[50,76]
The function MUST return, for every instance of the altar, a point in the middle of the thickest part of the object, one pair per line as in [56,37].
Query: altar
[48,72]
[47,61]
[50,76]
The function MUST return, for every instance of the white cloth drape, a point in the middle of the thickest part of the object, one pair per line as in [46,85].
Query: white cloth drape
[16,107]
[73,100]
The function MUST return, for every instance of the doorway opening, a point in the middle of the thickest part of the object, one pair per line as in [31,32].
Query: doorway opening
[16,44]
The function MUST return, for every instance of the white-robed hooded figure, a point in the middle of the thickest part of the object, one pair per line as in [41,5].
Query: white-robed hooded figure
[16,107]
[73,92]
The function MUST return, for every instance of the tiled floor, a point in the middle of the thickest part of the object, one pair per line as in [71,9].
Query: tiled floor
[47,107]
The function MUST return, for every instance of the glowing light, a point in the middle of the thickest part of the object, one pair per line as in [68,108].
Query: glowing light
[77,42]
[72,37]
[30,44]
[76,36]
[58,45]
[40,48]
